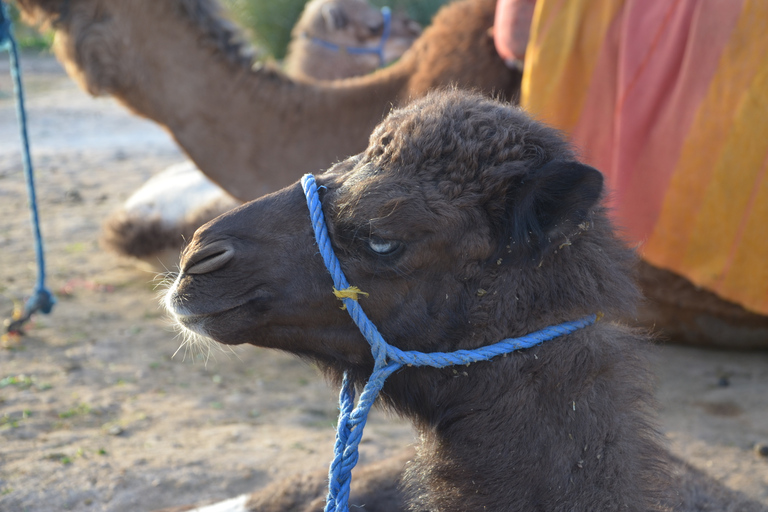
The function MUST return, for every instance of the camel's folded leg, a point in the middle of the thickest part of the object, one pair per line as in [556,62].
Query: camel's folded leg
[689,315]
[155,221]
[375,486]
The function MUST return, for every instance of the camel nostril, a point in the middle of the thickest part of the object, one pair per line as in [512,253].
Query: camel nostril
[208,258]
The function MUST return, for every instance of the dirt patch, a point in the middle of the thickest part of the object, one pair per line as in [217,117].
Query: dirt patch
[96,413]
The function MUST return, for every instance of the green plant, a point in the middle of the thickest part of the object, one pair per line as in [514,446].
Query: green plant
[269,23]
[420,10]
[21,381]
[8,421]
[79,410]
[28,37]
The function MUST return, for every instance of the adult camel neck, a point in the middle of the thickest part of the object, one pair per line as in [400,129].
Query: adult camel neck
[179,63]
[256,131]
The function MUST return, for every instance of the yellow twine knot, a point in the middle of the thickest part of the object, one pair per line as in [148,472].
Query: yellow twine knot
[599,316]
[352,292]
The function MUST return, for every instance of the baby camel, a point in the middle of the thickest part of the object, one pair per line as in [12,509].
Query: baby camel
[466,223]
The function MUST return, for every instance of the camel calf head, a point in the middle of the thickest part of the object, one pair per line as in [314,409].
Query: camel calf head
[464,221]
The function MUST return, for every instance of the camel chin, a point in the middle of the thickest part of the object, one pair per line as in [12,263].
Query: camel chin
[154,223]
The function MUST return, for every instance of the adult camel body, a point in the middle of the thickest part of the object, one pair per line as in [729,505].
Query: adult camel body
[253,131]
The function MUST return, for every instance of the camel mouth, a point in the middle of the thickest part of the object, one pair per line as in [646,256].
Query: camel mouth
[193,317]
[197,327]
[194,324]
[179,309]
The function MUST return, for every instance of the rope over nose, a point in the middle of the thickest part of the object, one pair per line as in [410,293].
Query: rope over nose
[388,359]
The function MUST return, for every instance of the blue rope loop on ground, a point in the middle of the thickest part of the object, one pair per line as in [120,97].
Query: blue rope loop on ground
[42,299]
[388,359]
[361,50]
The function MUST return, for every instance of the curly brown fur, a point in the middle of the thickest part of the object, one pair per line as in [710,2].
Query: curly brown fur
[467,223]
[482,163]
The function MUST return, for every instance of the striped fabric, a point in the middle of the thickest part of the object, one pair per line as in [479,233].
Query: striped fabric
[669,98]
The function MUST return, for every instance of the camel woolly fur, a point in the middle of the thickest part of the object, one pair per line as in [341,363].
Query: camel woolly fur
[467,223]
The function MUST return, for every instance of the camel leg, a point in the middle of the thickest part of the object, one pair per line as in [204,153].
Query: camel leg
[689,315]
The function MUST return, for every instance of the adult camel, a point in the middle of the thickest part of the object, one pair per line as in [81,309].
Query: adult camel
[255,130]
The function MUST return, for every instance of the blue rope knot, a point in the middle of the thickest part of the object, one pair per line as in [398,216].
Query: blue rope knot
[388,359]
[42,299]
[360,50]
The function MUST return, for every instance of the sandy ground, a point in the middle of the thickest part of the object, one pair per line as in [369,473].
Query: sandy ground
[96,412]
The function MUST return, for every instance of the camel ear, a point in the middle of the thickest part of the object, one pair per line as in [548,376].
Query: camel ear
[334,17]
[547,205]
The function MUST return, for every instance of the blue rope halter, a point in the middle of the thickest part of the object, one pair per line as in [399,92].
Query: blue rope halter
[388,359]
[360,50]
[42,299]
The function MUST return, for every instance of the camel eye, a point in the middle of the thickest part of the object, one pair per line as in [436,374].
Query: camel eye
[383,247]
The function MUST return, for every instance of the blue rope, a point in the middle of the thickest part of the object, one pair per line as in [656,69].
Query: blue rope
[387,360]
[42,299]
[361,50]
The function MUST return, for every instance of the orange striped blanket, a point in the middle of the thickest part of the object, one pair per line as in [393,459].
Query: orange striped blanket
[669,98]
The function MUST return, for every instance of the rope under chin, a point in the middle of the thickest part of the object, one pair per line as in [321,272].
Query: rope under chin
[388,359]
[42,299]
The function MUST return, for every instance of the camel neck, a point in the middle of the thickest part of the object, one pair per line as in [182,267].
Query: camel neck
[524,431]
[152,63]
